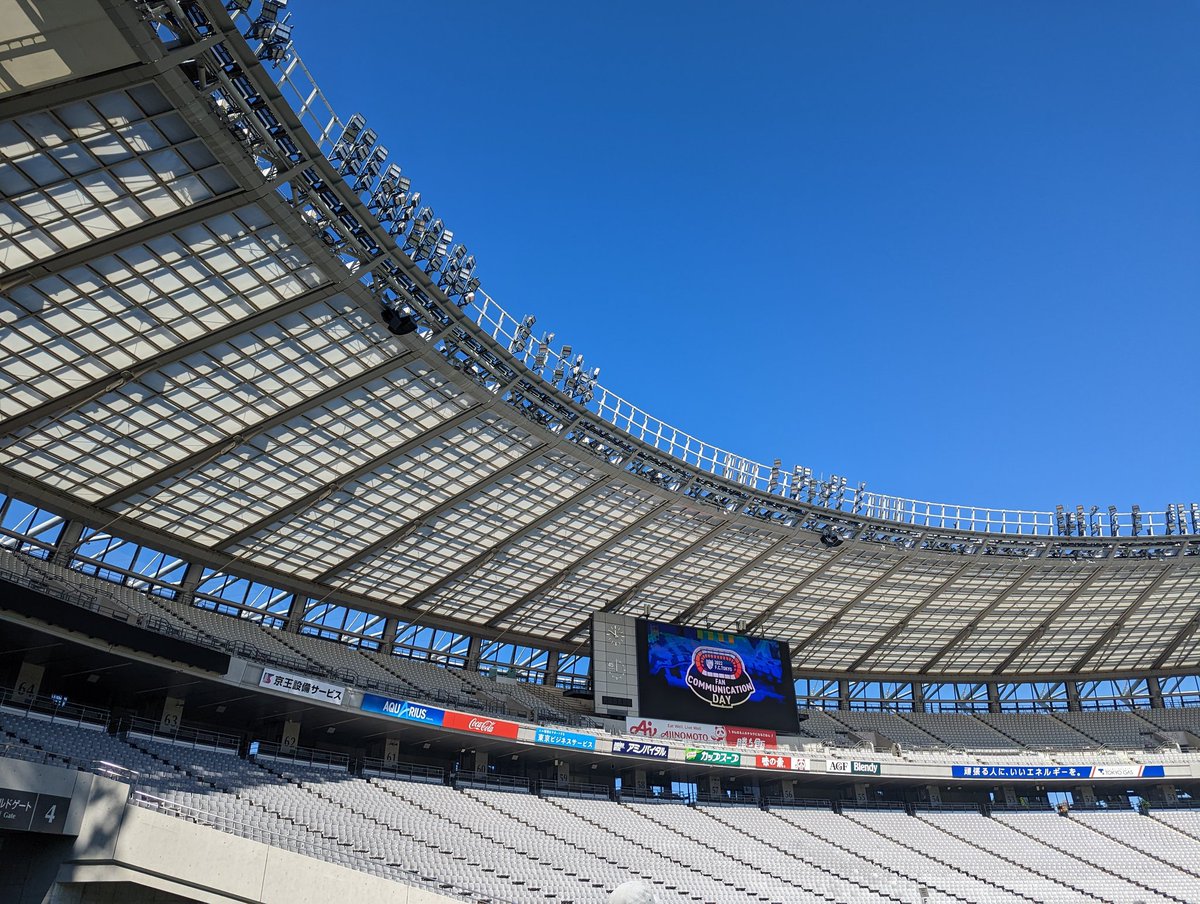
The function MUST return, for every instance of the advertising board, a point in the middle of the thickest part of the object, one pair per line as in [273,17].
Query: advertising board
[302,686]
[696,674]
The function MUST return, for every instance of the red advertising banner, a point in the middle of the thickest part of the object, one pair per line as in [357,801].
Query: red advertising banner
[750,737]
[779,761]
[480,724]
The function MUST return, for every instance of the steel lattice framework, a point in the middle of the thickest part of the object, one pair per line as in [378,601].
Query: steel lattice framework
[195,257]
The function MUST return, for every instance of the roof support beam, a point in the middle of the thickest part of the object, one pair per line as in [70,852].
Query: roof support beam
[908,617]
[628,594]
[765,615]
[115,380]
[847,606]
[118,241]
[563,573]
[1177,641]
[485,557]
[965,631]
[110,382]
[1044,626]
[757,560]
[323,491]
[396,536]
[15,484]
[1115,628]
[62,93]
[232,442]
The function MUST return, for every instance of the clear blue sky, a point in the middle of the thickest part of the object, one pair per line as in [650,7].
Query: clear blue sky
[952,249]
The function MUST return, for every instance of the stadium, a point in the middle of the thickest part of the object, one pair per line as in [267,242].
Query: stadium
[322,574]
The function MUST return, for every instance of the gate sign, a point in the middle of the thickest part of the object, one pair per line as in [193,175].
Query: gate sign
[780,761]
[641,748]
[301,686]
[25,811]
[713,757]
[403,709]
[556,738]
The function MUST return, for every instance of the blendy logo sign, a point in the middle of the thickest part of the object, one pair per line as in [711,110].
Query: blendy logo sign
[481,724]
[719,678]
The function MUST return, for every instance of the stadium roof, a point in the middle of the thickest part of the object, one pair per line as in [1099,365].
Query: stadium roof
[196,259]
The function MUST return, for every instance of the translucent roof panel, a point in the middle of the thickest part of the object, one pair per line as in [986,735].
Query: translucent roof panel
[280,467]
[942,617]
[150,423]
[92,320]
[90,169]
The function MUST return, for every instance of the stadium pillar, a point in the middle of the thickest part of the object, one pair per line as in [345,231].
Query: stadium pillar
[290,737]
[29,681]
[295,617]
[172,714]
[993,695]
[474,650]
[191,580]
[1154,686]
[68,540]
[551,678]
[391,628]
[1167,794]
[1010,795]
[918,697]
[480,764]
[391,751]
[860,792]
[935,795]
[1086,795]
[844,695]
[1072,696]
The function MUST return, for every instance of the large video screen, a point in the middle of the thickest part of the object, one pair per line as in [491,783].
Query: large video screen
[715,677]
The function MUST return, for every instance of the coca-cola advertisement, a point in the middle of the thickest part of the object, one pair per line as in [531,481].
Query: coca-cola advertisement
[697,732]
[480,724]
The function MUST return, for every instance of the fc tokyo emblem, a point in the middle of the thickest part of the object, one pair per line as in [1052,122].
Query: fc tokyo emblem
[718,677]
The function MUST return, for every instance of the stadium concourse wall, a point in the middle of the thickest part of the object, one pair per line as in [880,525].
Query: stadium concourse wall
[109,850]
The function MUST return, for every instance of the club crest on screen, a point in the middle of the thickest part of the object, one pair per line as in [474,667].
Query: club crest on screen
[718,677]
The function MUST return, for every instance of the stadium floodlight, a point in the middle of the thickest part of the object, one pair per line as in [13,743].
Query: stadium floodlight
[370,169]
[524,332]
[399,322]
[1114,523]
[458,277]
[773,479]
[275,33]
[350,133]
[560,368]
[1080,526]
[1136,514]
[543,352]
[1195,518]
[1170,518]
[1094,521]
[859,498]
[830,538]
[238,6]
[1182,518]
[1060,515]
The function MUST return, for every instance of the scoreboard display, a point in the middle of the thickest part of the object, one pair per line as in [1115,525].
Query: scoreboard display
[700,675]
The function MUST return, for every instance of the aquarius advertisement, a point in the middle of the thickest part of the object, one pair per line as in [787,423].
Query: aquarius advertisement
[713,676]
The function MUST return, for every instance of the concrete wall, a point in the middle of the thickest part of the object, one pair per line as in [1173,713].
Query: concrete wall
[48,41]
[122,854]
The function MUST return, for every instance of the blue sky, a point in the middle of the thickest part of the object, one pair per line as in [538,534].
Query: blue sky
[947,248]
